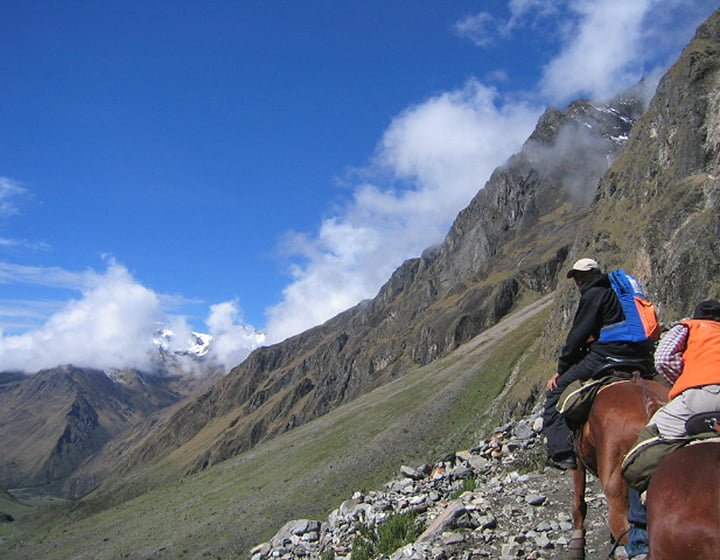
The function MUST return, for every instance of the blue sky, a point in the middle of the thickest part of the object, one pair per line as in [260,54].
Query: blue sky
[252,168]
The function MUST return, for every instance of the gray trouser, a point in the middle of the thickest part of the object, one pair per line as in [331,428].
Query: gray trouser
[670,419]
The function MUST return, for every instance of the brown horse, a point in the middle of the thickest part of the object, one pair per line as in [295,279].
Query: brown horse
[683,505]
[618,413]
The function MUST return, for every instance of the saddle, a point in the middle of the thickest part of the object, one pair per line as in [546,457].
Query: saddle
[575,402]
[650,447]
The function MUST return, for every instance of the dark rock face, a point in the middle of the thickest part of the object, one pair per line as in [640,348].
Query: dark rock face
[81,438]
[509,243]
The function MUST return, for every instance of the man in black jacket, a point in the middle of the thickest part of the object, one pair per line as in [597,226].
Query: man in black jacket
[582,356]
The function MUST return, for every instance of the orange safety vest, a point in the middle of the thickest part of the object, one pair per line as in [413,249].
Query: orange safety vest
[701,357]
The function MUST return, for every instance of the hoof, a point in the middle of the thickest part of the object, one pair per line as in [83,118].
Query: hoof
[576,546]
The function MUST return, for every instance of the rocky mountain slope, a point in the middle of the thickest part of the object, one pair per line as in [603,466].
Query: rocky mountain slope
[54,420]
[657,210]
[494,500]
[503,251]
[224,510]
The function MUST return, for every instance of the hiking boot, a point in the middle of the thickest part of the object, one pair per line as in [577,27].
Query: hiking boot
[562,462]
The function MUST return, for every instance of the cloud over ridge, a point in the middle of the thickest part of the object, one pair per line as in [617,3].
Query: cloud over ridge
[438,153]
[435,155]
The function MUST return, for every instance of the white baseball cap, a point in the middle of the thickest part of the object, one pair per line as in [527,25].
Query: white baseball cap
[583,265]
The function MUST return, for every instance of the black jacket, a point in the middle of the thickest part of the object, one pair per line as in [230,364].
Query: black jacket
[598,307]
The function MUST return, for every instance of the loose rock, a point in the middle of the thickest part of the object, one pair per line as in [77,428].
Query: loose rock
[510,514]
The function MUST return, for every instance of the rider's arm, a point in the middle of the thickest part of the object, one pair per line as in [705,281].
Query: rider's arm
[586,326]
[669,353]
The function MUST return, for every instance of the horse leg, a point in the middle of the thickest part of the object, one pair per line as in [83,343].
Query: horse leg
[576,548]
[616,493]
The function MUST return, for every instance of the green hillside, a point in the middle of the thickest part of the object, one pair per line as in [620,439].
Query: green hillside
[225,510]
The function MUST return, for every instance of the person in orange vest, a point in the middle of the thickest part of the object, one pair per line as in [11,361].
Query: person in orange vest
[688,357]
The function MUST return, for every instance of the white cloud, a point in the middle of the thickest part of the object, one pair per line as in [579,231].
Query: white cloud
[478,28]
[110,326]
[23,244]
[485,29]
[232,340]
[601,52]
[437,155]
[10,191]
[54,277]
[604,46]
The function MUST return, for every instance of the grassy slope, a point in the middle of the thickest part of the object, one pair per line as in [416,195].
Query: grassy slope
[224,510]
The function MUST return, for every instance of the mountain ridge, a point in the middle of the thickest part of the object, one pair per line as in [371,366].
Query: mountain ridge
[54,420]
[379,339]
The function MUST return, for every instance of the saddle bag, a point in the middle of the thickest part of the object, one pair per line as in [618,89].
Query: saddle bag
[649,450]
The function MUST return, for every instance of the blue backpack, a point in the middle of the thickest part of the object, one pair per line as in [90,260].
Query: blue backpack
[641,322]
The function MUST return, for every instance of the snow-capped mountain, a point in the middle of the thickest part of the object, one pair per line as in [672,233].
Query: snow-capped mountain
[183,355]
[196,344]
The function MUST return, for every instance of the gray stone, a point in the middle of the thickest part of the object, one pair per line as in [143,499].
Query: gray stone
[451,538]
[509,550]
[411,473]
[523,431]
[479,463]
[543,541]
[535,499]
[537,425]
[461,472]
[487,522]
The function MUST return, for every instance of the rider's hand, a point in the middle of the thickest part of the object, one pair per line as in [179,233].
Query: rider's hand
[552,382]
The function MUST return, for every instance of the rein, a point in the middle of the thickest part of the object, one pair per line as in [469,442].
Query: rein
[616,543]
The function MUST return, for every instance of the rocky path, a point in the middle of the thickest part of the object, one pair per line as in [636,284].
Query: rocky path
[493,501]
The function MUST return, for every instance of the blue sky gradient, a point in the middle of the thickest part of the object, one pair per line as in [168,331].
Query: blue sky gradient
[252,168]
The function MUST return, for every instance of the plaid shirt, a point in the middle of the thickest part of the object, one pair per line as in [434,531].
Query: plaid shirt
[669,353]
